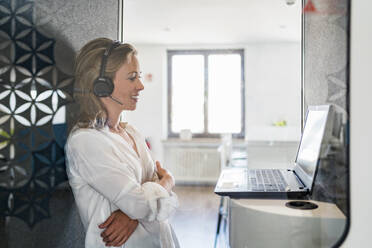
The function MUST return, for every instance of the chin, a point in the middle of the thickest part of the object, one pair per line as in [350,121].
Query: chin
[131,108]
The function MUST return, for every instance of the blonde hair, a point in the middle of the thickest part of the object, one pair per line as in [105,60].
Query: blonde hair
[88,61]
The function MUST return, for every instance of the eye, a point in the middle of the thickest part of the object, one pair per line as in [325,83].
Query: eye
[134,77]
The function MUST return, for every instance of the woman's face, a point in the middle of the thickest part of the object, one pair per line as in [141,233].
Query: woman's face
[128,84]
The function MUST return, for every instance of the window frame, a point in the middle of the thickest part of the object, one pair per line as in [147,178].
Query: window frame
[205,53]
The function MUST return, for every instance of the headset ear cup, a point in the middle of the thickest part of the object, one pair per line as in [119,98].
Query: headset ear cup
[103,87]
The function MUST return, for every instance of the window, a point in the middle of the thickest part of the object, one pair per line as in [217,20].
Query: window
[206,92]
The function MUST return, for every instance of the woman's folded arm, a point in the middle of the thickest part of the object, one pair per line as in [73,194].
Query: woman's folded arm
[95,162]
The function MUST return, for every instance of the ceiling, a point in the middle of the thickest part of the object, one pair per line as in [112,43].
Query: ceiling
[211,21]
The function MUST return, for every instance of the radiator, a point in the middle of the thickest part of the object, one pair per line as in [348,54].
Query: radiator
[193,164]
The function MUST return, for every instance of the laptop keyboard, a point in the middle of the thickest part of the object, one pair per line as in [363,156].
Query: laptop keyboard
[266,180]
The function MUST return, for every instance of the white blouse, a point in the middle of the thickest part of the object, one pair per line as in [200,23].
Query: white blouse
[106,174]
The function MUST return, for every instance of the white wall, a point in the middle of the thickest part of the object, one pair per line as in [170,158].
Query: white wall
[360,123]
[273,83]
[150,117]
[273,90]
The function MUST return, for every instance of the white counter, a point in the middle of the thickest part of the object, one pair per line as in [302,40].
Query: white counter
[269,223]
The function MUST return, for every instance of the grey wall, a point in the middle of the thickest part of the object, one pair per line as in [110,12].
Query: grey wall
[73,23]
[326,54]
[326,58]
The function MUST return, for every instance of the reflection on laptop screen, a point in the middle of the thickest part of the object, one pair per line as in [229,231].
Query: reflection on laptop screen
[308,154]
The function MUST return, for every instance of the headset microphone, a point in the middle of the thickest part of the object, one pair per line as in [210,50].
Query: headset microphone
[81,91]
[116,100]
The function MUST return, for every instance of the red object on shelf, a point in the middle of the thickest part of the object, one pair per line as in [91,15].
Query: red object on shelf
[309,7]
[148,77]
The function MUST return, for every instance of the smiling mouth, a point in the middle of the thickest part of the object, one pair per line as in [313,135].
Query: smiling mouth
[135,98]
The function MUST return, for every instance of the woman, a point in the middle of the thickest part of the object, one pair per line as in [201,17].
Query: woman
[120,195]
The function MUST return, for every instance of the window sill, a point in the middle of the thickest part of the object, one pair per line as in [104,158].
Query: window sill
[209,142]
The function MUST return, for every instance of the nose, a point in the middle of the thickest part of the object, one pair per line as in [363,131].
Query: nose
[140,85]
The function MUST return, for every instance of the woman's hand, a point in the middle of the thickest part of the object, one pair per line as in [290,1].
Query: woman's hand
[119,227]
[166,179]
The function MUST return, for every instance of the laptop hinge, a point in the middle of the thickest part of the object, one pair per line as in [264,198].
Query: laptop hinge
[299,179]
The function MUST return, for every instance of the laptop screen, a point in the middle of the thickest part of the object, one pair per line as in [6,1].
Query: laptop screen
[311,141]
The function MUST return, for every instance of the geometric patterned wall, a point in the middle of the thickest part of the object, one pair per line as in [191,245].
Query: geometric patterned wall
[326,69]
[33,93]
[38,42]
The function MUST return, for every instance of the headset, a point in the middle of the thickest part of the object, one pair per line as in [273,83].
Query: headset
[103,86]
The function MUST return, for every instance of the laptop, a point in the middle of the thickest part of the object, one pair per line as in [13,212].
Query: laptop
[294,182]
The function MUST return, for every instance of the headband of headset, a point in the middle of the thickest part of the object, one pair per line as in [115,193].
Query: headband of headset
[105,56]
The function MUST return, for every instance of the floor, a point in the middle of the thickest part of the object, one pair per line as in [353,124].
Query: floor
[195,222]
